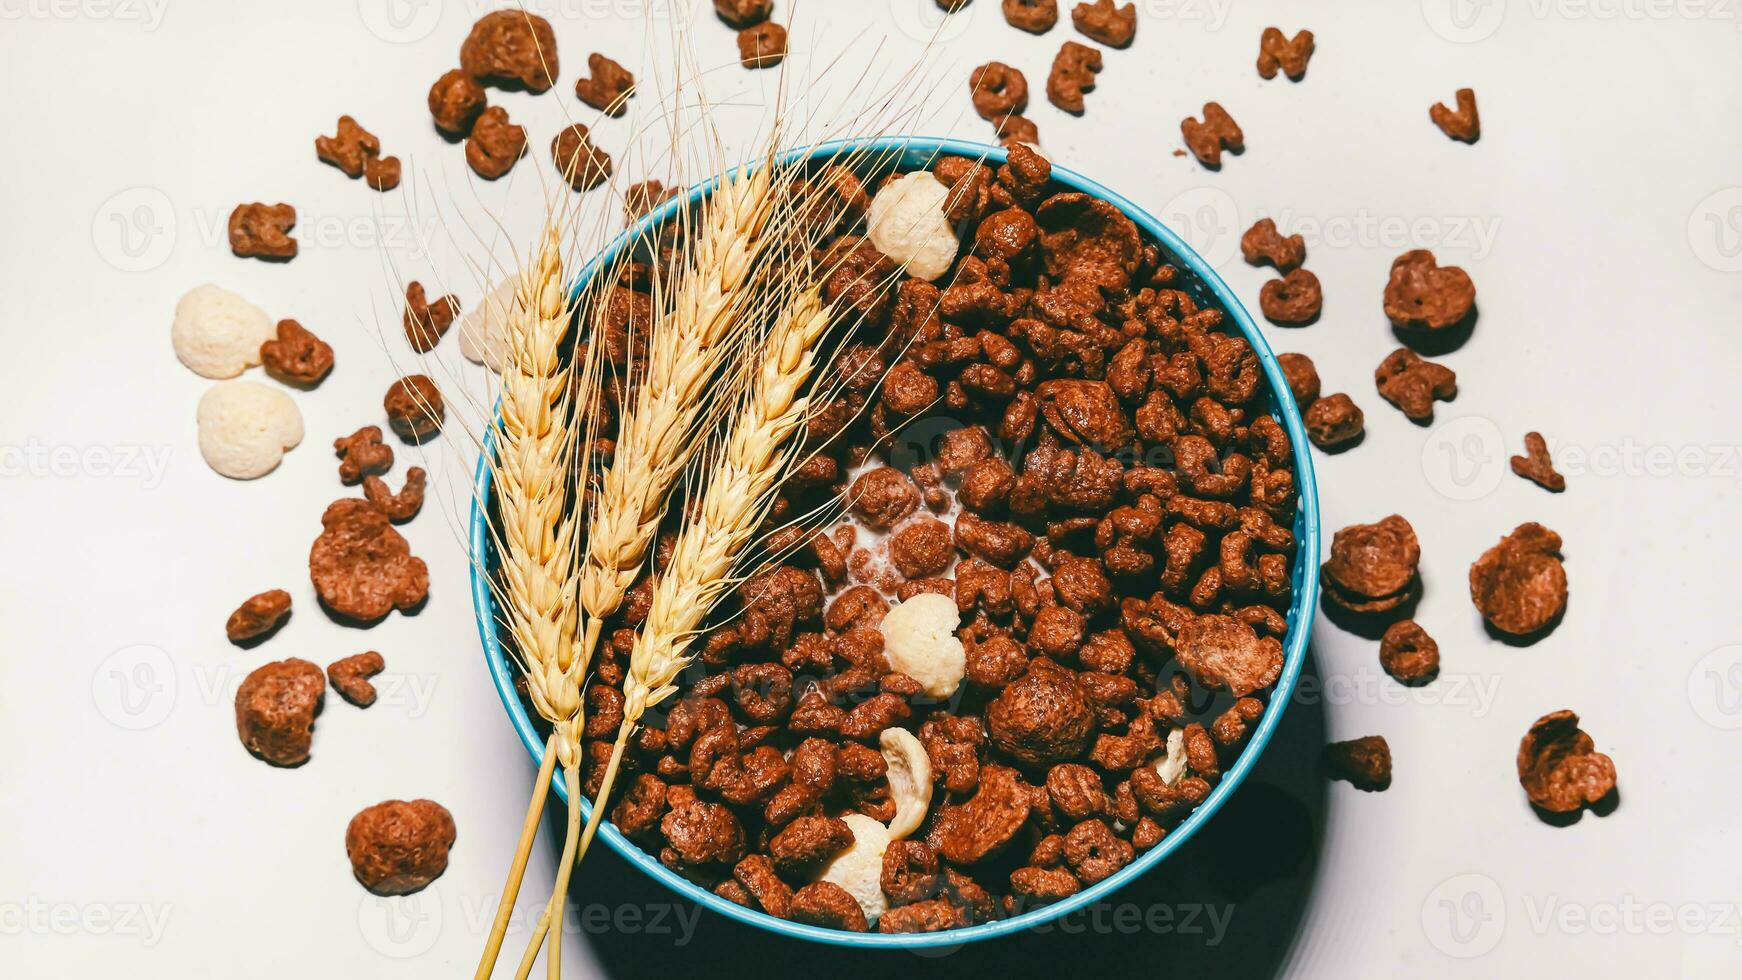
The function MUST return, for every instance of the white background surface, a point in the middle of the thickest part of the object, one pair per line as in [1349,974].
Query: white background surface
[1600,215]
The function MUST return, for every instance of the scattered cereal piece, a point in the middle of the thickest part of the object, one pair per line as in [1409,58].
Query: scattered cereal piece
[455,100]
[275,710]
[350,677]
[1033,16]
[919,640]
[495,144]
[998,90]
[349,149]
[1019,129]
[296,356]
[1334,422]
[1302,377]
[1408,653]
[1293,300]
[743,13]
[908,224]
[246,428]
[217,333]
[1559,767]
[1520,584]
[1276,51]
[1100,21]
[1073,73]
[582,164]
[381,173]
[257,617]
[361,567]
[262,231]
[402,506]
[1263,243]
[414,408]
[1365,762]
[762,46]
[1208,138]
[642,199]
[1373,568]
[1412,384]
[1463,124]
[399,847]
[609,88]
[1424,298]
[1536,465]
[425,322]
[362,454]
[511,48]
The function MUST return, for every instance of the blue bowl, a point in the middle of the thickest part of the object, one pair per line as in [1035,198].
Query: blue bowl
[915,152]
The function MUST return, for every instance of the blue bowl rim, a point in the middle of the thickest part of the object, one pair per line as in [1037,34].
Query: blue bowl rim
[910,150]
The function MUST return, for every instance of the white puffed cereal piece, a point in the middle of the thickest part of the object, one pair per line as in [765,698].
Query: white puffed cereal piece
[1173,765]
[919,640]
[908,224]
[483,334]
[859,868]
[217,333]
[246,428]
[909,780]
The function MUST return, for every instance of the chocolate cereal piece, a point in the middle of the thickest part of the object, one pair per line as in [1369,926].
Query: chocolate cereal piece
[296,356]
[1041,718]
[361,454]
[1413,385]
[1302,377]
[382,173]
[402,506]
[511,49]
[640,200]
[1463,123]
[495,144]
[1294,300]
[1372,568]
[1017,129]
[1335,422]
[398,847]
[762,46]
[1425,298]
[998,90]
[743,13]
[609,87]
[582,164]
[826,904]
[262,231]
[1073,73]
[425,322]
[1559,767]
[349,148]
[414,408]
[258,617]
[1537,466]
[1520,584]
[361,567]
[350,677]
[276,708]
[981,827]
[1277,51]
[1364,762]
[1223,653]
[1263,243]
[1100,20]
[455,101]
[1409,654]
[1207,138]
[1033,16]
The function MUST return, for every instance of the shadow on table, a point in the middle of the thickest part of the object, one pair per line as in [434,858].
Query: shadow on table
[1229,902]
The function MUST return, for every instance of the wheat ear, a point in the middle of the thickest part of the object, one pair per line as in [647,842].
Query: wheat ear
[532,473]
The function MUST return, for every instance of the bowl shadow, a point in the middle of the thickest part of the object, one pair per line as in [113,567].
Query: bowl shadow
[1229,902]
